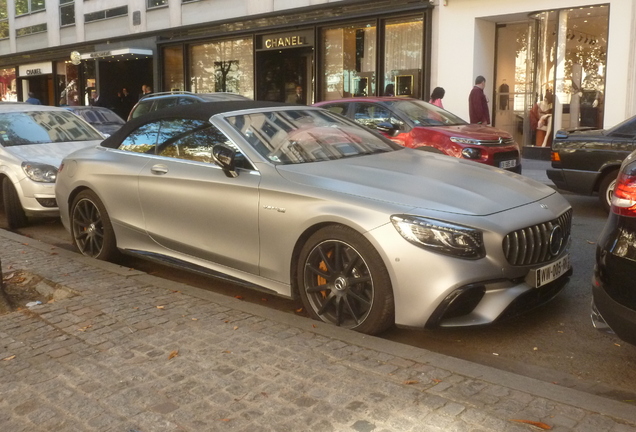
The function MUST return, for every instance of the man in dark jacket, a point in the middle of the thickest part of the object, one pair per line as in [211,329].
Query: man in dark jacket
[478,104]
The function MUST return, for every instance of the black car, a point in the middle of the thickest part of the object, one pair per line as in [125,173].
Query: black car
[613,284]
[155,101]
[586,161]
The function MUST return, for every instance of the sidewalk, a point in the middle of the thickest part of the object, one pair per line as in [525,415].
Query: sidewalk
[130,352]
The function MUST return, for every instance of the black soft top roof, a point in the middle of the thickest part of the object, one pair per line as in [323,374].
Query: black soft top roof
[197,111]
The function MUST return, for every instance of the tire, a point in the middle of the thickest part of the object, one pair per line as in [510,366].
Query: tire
[606,189]
[342,280]
[91,228]
[16,218]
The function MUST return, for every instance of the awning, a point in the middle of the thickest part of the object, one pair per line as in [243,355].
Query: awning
[117,54]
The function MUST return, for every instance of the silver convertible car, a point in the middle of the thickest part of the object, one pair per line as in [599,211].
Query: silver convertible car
[299,201]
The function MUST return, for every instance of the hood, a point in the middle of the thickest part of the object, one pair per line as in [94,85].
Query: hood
[580,133]
[420,179]
[474,131]
[51,153]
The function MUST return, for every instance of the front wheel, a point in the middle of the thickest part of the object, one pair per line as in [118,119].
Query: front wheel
[91,228]
[343,281]
[606,190]
[16,218]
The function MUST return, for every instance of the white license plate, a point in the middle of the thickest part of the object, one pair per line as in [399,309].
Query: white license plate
[553,271]
[508,164]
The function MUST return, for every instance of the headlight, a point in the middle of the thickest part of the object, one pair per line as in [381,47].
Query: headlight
[38,172]
[471,153]
[441,237]
[460,140]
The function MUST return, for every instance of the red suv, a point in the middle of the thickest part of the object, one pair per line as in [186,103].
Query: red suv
[416,124]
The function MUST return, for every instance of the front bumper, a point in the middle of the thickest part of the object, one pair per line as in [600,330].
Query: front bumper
[434,290]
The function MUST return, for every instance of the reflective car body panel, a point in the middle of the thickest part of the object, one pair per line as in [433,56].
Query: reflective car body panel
[424,126]
[249,225]
[613,287]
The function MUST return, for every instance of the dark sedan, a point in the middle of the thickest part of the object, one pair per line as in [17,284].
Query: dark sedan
[586,161]
[424,126]
[613,286]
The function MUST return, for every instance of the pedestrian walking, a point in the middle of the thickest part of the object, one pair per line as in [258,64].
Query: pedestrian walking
[478,103]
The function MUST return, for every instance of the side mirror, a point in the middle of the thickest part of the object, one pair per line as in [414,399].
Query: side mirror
[224,157]
[388,128]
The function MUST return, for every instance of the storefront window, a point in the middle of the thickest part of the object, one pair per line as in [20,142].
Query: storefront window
[8,88]
[403,46]
[68,84]
[349,55]
[226,66]
[173,68]
[550,73]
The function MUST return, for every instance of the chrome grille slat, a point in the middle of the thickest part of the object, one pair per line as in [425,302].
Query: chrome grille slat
[531,245]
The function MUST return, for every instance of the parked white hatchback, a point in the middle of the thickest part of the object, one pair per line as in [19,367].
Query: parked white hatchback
[33,141]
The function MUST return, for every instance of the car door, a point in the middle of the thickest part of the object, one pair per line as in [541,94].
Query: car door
[191,206]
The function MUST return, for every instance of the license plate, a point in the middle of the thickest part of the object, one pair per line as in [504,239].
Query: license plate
[552,271]
[508,164]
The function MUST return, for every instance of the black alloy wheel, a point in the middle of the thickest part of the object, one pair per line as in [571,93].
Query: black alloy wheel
[92,231]
[16,218]
[343,281]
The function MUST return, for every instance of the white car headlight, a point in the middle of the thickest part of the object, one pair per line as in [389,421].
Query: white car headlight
[440,236]
[39,172]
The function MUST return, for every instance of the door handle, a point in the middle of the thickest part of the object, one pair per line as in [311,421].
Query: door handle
[159,169]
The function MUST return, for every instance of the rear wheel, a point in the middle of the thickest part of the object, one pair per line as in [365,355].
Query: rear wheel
[343,281]
[16,218]
[91,228]
[606,189]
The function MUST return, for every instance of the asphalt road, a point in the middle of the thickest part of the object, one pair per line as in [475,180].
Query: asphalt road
[555,343]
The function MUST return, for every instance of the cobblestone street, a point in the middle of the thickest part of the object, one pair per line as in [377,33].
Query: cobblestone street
[132,352]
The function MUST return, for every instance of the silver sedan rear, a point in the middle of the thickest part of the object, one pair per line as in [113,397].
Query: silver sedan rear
[298,201]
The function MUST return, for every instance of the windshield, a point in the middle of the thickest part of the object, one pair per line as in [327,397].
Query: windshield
[425,114]
[41,127]
[100,117]
[300,136]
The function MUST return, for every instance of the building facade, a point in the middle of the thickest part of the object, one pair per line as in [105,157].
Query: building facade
[577,58]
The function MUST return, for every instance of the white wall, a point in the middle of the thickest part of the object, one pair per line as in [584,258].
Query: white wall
[464,48]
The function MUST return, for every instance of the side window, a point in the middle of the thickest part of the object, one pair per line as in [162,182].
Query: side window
[196,143]
[164,103]
[142,140]
[370,115]
[187,101]
[142,108]
[338,108]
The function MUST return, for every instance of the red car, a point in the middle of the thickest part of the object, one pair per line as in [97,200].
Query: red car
[416,124]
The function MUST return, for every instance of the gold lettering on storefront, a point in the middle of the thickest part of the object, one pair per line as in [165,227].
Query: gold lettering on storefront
[285,41]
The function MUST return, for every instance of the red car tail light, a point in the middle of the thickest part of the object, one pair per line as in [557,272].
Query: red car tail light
[624,198]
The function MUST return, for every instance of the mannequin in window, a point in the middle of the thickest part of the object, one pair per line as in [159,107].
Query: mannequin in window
[541,121]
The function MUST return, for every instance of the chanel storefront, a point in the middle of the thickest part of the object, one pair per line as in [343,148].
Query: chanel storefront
[355,50]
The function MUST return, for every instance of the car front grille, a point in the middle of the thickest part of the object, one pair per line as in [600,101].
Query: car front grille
[539,243]
[498,142]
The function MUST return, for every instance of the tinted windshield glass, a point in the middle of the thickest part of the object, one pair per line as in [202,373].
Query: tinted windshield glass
[299,136]
[39,127]
[425,114]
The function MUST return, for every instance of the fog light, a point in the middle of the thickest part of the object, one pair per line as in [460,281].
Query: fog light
[47,202]
[471,153]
